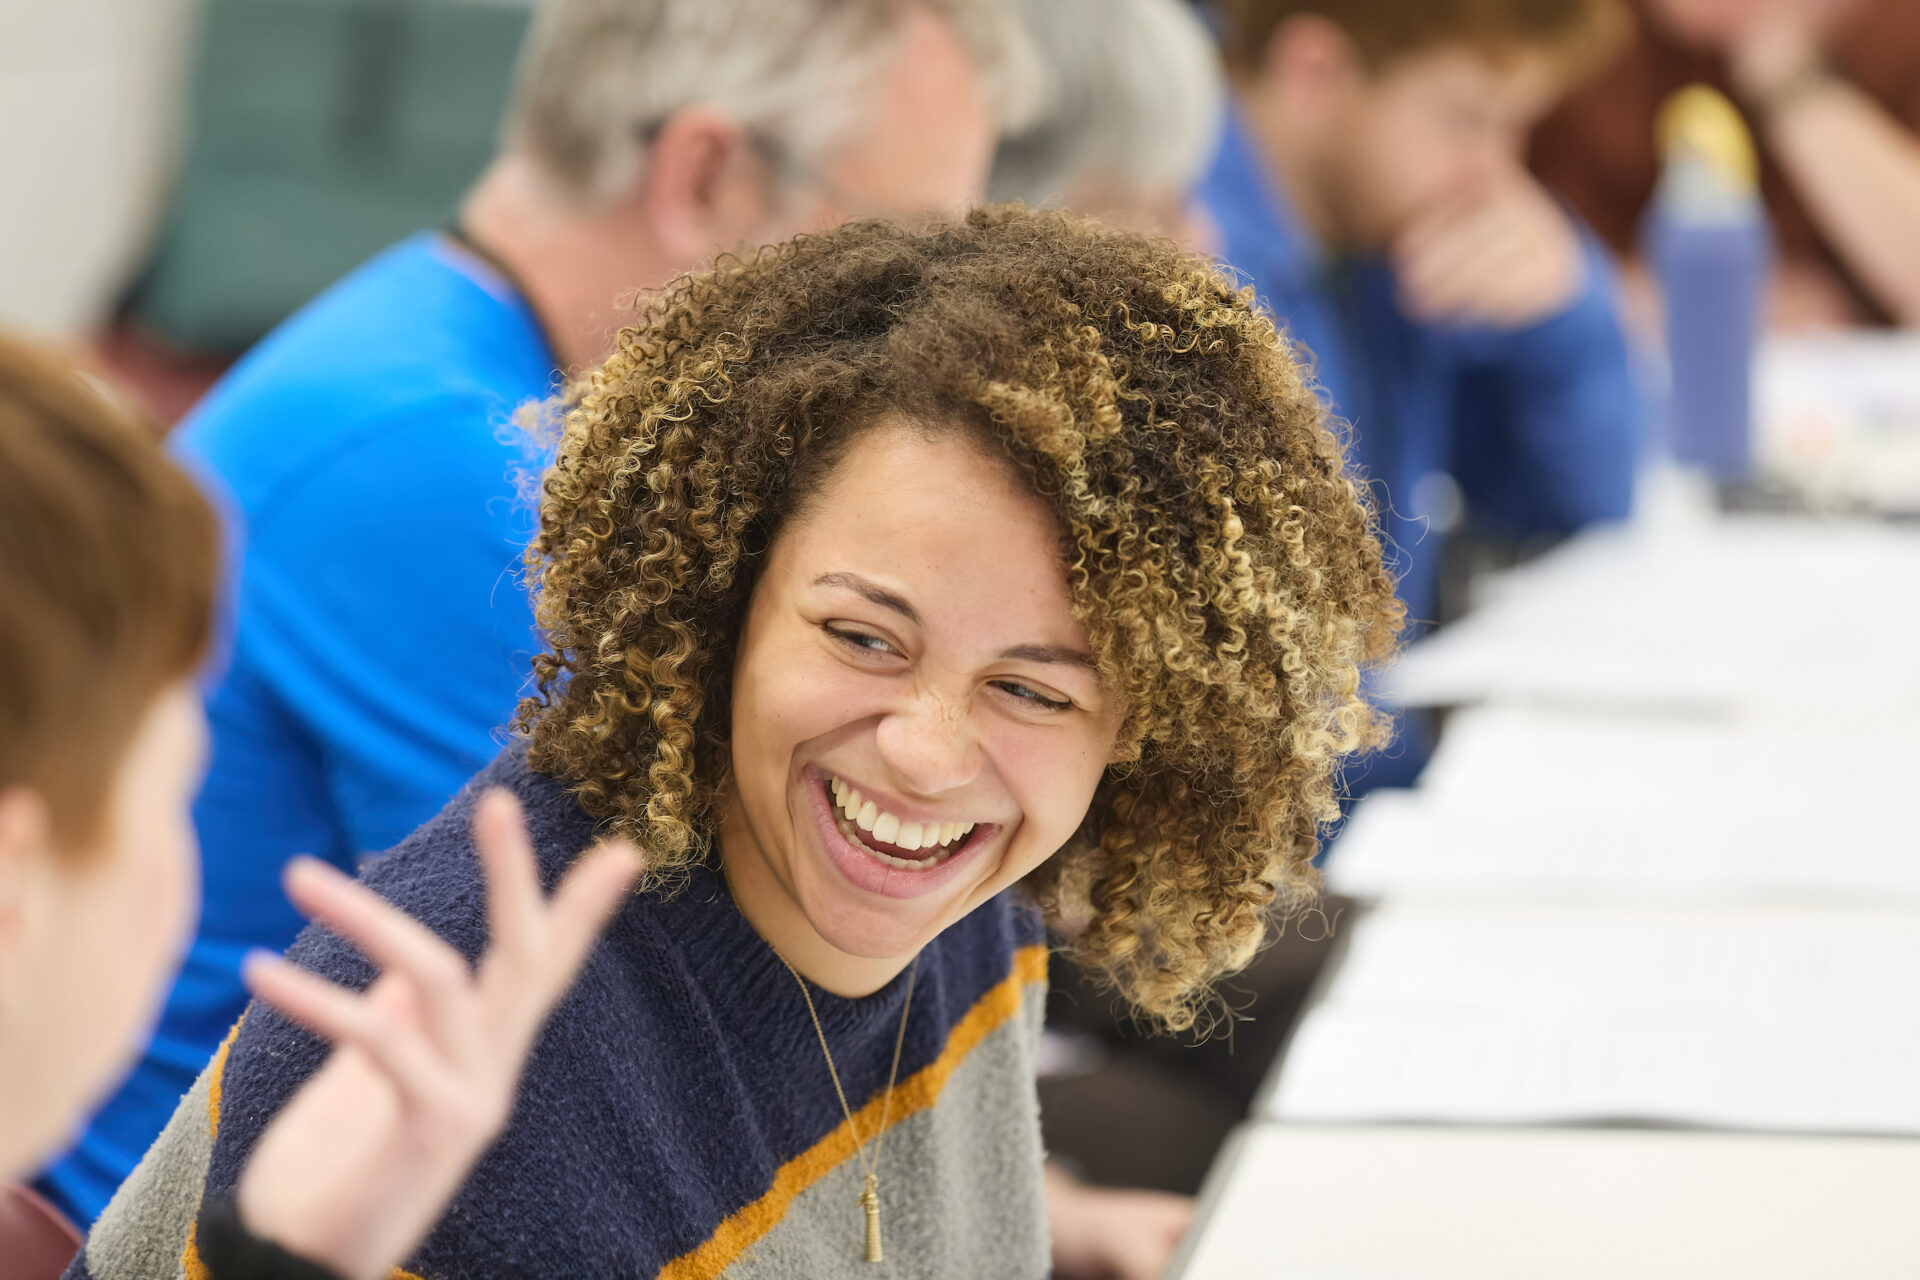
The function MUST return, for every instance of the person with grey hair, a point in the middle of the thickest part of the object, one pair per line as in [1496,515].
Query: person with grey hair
[358,454]
[1131,99]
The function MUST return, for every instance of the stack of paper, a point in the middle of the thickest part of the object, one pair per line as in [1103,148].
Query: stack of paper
[1539,806]
[1665,867]
[1766,1018]
[1793,619]
[1839,418]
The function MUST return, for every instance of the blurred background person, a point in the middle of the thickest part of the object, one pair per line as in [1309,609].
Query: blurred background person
[1831,90]
[1130,100]
[361,451]
[1370,183]
[108,564]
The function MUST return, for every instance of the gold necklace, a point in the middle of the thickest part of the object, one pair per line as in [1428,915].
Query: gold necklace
[870,1194]
[870,1197]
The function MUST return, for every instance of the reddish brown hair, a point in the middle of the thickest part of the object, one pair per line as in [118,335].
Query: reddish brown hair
[108,563]
[1579,32]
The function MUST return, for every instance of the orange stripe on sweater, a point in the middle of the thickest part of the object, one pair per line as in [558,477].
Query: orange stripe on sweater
[743,1229]
[190,1257]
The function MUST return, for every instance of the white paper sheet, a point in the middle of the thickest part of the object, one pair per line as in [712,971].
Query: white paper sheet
[1798,619]
[1551,805]
[1768,1018]
[1838,417]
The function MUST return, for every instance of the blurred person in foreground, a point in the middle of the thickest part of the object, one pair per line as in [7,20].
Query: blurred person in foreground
[108,565]
[1831,89]
[910,594]
[1371,185]
[1128,113]
[380,634]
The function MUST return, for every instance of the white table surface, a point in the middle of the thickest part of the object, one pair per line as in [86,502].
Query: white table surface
[1301,1202]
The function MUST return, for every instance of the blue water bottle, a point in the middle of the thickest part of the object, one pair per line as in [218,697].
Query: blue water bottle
[1705,234]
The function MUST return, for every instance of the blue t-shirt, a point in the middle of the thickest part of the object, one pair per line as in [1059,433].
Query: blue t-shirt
[379,634]
[1540,427]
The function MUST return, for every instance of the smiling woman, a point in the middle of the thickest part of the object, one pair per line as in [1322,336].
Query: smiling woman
[826,507]
[906,592]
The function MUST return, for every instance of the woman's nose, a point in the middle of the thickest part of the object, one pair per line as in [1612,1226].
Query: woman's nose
[930,745]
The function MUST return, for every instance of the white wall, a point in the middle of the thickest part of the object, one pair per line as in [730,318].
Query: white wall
[91,100]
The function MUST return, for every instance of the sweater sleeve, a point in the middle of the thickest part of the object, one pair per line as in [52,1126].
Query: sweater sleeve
[1551,416]
[231,1252]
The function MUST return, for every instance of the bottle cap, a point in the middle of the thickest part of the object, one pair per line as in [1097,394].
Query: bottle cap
[1699,126]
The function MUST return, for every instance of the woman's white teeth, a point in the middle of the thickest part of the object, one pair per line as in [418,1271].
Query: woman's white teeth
[890,829]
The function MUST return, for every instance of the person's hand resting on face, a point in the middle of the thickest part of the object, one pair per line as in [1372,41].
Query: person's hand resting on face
[363,1161]
[1509,259]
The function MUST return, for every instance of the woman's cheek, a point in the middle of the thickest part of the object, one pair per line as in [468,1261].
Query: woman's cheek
[804,700]
[1051,773]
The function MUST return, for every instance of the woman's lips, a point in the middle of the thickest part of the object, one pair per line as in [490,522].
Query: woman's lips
[898,874]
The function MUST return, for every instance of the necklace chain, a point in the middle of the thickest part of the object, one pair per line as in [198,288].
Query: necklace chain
[870,1164]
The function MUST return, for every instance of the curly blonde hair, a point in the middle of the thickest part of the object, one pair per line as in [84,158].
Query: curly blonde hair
[1216,549]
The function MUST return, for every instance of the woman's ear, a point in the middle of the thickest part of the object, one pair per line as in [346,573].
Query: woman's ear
[25,844]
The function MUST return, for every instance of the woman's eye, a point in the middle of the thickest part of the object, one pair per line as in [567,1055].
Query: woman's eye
[1026,694]
[860,640]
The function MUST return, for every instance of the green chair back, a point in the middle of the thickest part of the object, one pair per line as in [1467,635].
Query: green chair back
[320,131]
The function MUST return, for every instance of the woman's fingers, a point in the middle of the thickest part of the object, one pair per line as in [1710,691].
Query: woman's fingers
[513,879]
[535,949]
[584,901]
[344,1017]
[520,995]
[391,939]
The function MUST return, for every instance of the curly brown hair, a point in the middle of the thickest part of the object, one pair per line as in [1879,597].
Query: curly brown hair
[1216,549]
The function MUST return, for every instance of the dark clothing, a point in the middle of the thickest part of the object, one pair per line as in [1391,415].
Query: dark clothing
[231,1252]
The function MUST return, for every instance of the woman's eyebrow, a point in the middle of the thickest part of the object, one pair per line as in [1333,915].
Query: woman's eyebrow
[873,591]
[1050,653]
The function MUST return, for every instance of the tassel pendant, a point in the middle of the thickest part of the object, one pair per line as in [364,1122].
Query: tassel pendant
[870,1201]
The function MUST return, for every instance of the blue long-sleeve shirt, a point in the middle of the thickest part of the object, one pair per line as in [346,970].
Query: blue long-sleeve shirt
[365,459]
[1538,427]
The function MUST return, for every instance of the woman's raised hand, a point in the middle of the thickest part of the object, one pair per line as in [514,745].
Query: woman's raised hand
[362,1162]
